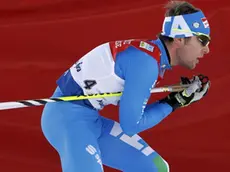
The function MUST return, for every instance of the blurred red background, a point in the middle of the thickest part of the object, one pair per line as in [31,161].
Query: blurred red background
[40,39]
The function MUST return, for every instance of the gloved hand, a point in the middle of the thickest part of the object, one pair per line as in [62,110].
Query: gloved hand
[198,88]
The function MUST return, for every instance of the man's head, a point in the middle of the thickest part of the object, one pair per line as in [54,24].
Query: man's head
[186,33]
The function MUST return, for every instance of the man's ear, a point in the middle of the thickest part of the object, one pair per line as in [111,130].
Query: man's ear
[178,42]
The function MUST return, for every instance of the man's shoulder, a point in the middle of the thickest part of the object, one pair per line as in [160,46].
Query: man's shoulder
[144,45]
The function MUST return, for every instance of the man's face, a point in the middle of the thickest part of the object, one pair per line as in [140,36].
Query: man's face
[190,51]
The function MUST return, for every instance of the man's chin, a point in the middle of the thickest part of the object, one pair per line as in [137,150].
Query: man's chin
[193,66]
[190,66]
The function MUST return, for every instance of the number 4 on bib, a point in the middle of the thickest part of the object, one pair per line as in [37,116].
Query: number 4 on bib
[89,84]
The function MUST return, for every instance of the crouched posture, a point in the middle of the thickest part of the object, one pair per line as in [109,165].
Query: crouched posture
[84,139]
